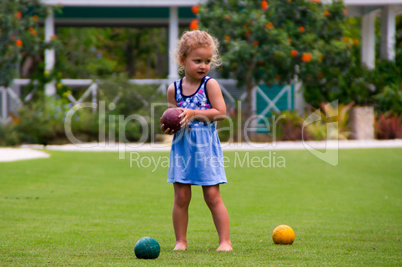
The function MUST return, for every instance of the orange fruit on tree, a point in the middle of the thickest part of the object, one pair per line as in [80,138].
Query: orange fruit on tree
[269,25]
[195,9]
[293,53]
[194,24]
[264,5]
[326,13]
[283,234]
[18,43]
[302,29]
[306,57]
[32,31]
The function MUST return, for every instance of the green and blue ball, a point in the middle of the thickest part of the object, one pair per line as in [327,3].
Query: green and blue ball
[147,248]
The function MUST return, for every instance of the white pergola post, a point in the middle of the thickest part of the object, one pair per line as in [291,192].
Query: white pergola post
[388,32]
[173,36]
[368,40]
[50,56]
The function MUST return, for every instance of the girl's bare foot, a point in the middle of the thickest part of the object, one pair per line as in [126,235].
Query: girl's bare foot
[225,246]
[180,246]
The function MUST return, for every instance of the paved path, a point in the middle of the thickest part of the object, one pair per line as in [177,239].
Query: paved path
[13,154]
[31,152]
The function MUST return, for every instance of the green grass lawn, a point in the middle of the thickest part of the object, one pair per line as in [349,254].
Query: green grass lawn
[90,208]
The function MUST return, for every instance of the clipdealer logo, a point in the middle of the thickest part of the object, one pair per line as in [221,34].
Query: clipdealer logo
[122,145]
[330,155]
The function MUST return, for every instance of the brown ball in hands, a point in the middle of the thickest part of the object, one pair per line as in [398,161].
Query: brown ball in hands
[170,119]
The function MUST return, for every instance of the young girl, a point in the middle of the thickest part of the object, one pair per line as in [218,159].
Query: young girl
[196,156]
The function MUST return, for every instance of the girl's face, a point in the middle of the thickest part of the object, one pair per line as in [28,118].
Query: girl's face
[198,63]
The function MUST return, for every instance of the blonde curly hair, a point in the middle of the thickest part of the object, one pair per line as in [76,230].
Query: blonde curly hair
[191,40]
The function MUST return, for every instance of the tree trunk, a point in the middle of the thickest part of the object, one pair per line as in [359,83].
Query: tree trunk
[132,52]
[130,68]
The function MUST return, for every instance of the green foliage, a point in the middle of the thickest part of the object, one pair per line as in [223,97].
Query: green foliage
[133,99]
[346,87]
[379,87]
[42,121]
[309,39]
[360,85]
[387,79]
[82,54]
[85,125]
[390,99]
[287,38]
[293,126]
[336,114]
[227,129]
[289,126]
[8,137]
[101,52]
[385,73]
[19,35]
[398,41]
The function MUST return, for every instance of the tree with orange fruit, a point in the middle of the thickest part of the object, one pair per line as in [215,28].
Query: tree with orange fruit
[274,41]
[19,35]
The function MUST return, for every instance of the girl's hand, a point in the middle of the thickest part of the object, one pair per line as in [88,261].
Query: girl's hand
[167,130]
[186,116]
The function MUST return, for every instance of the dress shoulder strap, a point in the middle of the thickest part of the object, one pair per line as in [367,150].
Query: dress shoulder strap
[177,89]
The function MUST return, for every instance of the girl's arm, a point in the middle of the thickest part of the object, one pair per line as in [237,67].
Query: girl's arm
[171,97]
[218,110]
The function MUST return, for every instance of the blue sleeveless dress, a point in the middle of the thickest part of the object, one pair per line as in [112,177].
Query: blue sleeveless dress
[196,155]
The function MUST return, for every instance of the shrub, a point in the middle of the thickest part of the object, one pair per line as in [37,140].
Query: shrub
[293,126]
[388,126]
[42,121]
[39,122]
[390,99]
[329,114]
[289,126]
[144,100]
[8,137]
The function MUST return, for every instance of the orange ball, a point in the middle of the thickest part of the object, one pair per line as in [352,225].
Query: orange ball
[283,234]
